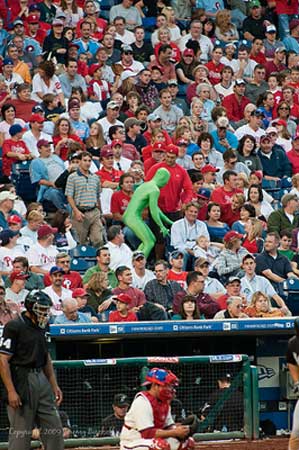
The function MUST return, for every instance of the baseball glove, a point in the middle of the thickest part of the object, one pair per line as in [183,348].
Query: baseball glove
[193,422]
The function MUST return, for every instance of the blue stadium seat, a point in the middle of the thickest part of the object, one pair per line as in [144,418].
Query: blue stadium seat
[84,251]
[79,265]
[291,288]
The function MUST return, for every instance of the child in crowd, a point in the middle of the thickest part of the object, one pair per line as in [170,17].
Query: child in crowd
[206,249]
[122,313]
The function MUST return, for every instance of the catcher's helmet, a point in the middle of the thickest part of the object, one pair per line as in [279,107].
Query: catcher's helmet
[39,304]
[161,377]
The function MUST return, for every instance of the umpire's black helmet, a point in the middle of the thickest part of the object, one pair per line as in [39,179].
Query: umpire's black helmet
[296,325]
[39,304]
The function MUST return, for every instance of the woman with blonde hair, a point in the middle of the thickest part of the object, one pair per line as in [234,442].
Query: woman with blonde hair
[284,137]
[253,241]
[225,30]
[196,109]
[295,185]
[175,32]
[100,296]
[260,306]
[164,37]
[183,132]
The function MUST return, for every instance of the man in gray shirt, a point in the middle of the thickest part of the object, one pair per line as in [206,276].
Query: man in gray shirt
[71,79]
[128,12]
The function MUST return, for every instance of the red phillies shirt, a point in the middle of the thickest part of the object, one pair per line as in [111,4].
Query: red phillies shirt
[71,280]
[106,175]
[64,150]
[219,195]
[114,316]
[12,146]
[178,277]
[119,202]
[214,72]
[294,160]
[178,188]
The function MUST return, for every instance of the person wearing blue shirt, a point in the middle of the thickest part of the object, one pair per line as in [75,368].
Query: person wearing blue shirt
[71,315]
[291,42]
[81,128]
[86,44]
[223,139]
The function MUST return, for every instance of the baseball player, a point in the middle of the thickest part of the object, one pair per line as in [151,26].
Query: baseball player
[293,365]
[27,373]
[148,423]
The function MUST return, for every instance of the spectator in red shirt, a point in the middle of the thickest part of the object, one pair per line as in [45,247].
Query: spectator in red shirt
[157,155]
[176,272]
[109,176]
[233,288]
[23,103]
[224,194]
[164,63]
[256,54]
[179,187]
[277,65]
[293,155]
[63,136]
[14,149]
[215,66]
[120,199]
[33,29]
[122,313]
[236,102]
[71,279]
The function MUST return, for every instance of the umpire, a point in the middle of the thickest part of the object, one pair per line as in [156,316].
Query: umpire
[293,366]
[27,373]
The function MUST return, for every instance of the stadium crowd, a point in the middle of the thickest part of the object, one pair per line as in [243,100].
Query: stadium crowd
[95,97]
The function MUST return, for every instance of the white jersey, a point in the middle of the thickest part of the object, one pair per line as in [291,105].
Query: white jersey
[140,282]
[42,257]
[57,299]
[7,255]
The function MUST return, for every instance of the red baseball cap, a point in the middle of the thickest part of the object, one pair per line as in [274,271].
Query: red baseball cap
[296,137]
[79,292]
[36,118]
[17,275]
[188,52]
[209,168]
[124,298]
[171,148]
[14,219]
[281,122]
[159,147]
[93,68]
[259,173]
[33,18]
[181,141]
[230,235]
[116,142]
[106,153]
[45,230]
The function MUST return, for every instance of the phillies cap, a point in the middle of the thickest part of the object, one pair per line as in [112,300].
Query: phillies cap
[159,147]
[38,108]
[188,52]
[271,130]
[239,82]
[124,298]
[93,68]
[79,292]
[57,22]
[172,83]
[204,193]
[45,230]
[230,235]
[209,168]
[14,218]
[172,149]
[6,235]
[56,269]
[15,129]
[17,275]
[18,22]
[7,62]
[175,254]
[106,153]
[112,105]
[33,18]
[271,29]
[116,142]
[296,137]
[181,141]
[36,118]
[233,279]
[281,122]
[258,174]
[42,142]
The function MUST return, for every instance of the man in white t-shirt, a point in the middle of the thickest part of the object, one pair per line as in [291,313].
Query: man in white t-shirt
[110,119]
[253,128]
[120,253]
[56,291]
[195,34]
[17,292]
[9,250]
[140,274]
[42,256]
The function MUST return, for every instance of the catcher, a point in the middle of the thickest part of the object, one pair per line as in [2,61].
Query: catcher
[292,358]
[148,423]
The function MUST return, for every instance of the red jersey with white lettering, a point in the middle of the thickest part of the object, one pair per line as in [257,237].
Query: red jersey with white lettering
[223,197]
[119,202]
[12,146]
[179,277]
[71,280]
[214,72]
[115,316]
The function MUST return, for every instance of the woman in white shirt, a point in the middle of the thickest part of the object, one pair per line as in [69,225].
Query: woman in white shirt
[46,82]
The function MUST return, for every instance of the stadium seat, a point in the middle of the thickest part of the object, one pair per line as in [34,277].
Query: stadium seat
[79,265]
[84,251]
[291,288]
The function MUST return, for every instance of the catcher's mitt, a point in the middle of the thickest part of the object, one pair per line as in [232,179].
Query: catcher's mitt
[193,421]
